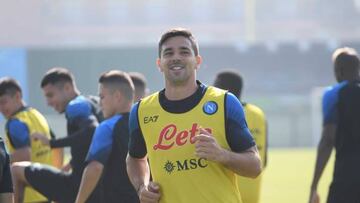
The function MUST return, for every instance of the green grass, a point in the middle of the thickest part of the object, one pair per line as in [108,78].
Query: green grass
[289,174]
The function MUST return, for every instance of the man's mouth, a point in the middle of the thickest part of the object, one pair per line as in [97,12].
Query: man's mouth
[176,67]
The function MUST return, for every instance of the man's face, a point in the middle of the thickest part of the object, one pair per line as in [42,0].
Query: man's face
[55,96]
[108,100]
[9,104]
[178,61]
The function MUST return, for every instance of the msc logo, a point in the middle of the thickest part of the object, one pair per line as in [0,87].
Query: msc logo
[153,119]
[185,165]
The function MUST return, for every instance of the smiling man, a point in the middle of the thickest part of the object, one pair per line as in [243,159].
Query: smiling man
[194,136]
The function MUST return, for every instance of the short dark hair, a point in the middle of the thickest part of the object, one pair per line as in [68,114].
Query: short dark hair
[9,86]
[174,32]
[139,81]
[231,81]
[346,59]
[57,75]
[120,80]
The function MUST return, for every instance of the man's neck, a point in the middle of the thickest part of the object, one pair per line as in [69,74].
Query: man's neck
[19,107]
[123,108]
[72,96]
[179,92]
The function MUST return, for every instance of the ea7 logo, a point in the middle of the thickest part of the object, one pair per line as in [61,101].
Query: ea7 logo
[148,119]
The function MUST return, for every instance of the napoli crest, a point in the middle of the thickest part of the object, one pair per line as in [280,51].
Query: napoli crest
[210,107]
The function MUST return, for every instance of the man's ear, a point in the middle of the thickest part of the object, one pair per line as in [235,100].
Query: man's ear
[198,61]
[67,86]
[18,96]
[118,95]
[158,62]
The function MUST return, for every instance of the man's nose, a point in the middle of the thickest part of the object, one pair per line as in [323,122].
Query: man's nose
[176,60]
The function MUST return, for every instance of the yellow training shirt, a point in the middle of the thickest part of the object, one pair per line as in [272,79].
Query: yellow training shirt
[36,123]
[184,177]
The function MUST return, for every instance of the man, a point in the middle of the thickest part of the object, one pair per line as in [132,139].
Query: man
[194,144]
[6,187]
[139,81]
[22,122]
[109,146]
[61,93]
[255,118]
[341,129]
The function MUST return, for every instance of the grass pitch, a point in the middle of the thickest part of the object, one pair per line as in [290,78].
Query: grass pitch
[288,176]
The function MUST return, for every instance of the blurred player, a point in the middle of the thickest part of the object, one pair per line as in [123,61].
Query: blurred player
[22,122]
[6,187]
[61,93]
[341,129]
[195,136]
[255,118]
[109,147]
[139,81]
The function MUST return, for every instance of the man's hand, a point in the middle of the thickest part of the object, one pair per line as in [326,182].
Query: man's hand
[43,139]
[149,193]
[208,148]
[66,167]
[314,197]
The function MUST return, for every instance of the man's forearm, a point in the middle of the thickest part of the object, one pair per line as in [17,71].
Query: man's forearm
[247,164]
[138,171]
[323,152]
[323,155]
[90,178]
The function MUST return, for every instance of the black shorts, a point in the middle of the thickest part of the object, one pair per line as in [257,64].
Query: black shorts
[344,192]
[6,185]
[54,184]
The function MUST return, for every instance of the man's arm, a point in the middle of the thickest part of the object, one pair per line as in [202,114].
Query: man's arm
[242,157]
[90,178]
[79,114]
[57,153]
[136,162]
[57,157]
[138,171]
[86,127]
[22,154]
[323,154]
[98,154]
[139,175]
[246,163]
[20,139]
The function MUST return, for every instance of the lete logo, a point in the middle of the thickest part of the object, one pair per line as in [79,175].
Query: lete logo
[170,136]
